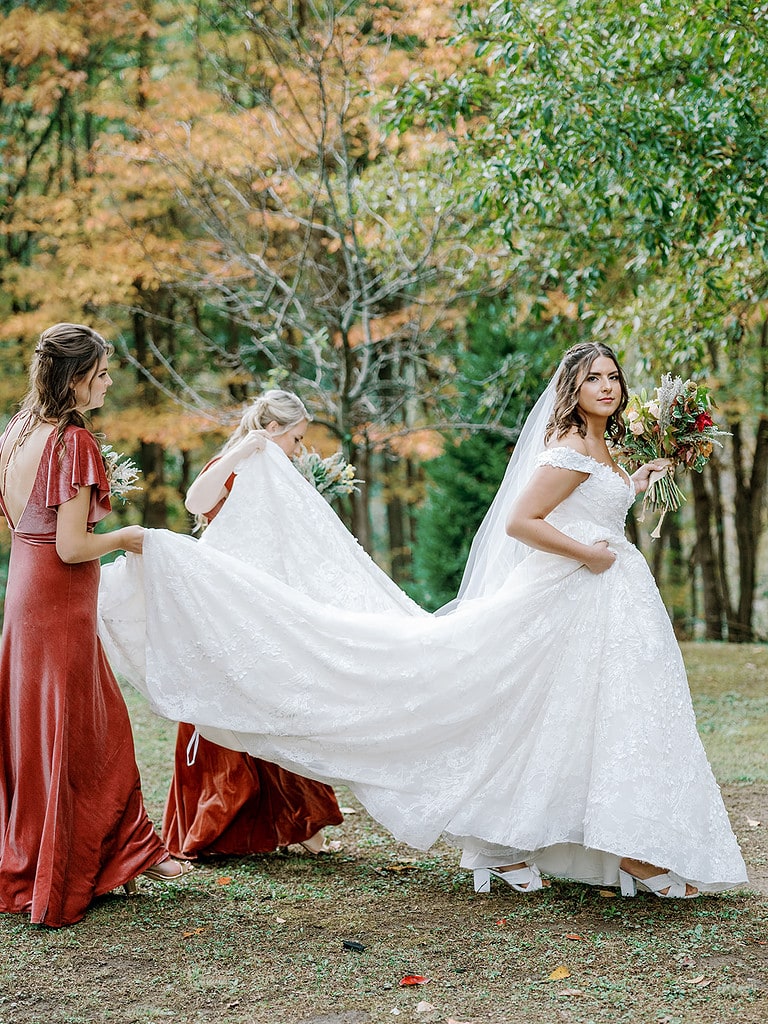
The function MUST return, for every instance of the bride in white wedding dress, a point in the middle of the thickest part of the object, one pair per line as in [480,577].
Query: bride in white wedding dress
[543,723]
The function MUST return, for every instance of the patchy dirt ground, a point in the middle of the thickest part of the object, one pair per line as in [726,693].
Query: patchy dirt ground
[266,940]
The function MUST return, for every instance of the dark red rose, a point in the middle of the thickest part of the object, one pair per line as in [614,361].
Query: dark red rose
[704,420]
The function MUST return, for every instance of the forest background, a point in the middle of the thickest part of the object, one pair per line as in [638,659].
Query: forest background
[406,212]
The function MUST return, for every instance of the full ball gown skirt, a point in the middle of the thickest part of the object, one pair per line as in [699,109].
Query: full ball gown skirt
[227,802]
[552,718]
[72,819]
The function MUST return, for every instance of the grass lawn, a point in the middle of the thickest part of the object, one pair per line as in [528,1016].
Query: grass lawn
[261,940]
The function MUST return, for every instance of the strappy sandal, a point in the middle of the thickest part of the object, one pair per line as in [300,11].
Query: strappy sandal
[676,887]
[527,879]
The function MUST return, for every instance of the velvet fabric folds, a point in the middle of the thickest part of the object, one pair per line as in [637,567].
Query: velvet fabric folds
[72,819]
[228,802]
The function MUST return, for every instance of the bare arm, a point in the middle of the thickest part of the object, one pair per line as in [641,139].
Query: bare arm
[75,544]
[207,489]
[527,519]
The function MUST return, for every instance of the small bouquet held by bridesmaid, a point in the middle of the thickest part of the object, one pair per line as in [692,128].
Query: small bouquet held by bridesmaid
[122,473]
[675,424]
[332,476]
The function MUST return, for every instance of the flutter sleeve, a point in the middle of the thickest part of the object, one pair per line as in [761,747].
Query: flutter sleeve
[562,457]
[79,465]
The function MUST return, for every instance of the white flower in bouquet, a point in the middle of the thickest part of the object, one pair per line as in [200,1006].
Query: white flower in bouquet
[122,473]
[332,476]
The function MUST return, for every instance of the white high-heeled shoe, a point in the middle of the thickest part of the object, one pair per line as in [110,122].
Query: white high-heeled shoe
[527,879]
[676,888]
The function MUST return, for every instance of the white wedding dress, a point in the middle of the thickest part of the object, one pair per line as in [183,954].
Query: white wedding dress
[549,720]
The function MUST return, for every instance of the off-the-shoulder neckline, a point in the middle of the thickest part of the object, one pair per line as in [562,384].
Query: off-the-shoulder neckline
[621,473]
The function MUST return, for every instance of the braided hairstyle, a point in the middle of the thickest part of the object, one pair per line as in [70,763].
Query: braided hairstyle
[65,355]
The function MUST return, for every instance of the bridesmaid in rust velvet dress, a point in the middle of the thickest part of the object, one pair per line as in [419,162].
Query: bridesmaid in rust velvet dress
[227,802]
[72,818]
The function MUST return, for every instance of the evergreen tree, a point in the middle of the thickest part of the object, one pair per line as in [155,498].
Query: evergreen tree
[498,379]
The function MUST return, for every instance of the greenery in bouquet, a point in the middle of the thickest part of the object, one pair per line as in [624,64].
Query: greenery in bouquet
[122,473]
[331,476]
[676,424]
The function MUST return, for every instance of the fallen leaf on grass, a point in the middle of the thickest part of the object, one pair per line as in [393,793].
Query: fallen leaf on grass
[399,867]
[699,982]
[348,810]
[424,1006]
[608,894]
[450,1020]
[414,979]
[197,931]
[502,921]
[280,920]
[753,823]
[559,973]
[573,935]
[395,1012]
[570,992]
[226,880]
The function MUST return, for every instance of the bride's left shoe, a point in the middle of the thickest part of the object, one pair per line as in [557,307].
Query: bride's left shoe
[525,879]
[665,885]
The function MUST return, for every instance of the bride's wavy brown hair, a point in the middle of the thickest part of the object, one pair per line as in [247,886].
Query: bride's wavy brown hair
[573,369]
[64,356]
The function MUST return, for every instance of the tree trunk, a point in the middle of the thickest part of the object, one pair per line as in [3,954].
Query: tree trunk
[705,557]
[152,454]
[399,547]
[748,506]
[361,520]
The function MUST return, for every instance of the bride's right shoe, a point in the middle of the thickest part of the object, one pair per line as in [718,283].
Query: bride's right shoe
[526,879]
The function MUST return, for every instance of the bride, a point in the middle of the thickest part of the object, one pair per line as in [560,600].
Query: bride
[543,723]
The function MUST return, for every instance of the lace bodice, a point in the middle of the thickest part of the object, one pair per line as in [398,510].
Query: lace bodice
[602,500]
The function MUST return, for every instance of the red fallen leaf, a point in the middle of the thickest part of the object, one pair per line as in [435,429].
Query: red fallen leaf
[223,881]
[502,921]
[414,979]
[188,935]
[573,935]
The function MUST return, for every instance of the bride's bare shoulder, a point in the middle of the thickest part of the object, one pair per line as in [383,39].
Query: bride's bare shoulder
[572,439]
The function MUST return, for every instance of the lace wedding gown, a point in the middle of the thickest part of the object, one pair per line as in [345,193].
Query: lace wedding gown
[552,719]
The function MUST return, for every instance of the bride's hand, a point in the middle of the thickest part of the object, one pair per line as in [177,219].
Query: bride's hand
[641,476]
[600,557]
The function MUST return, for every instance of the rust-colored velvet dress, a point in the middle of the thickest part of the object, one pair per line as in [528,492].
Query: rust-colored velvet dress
[228,802]
[72,818]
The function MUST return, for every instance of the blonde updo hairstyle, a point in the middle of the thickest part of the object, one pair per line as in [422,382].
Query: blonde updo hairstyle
[64,356]
[573,371]
[273,406]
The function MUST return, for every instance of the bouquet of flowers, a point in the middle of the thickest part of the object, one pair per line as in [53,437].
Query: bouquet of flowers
[122,473]
[331,476]
[675,424]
